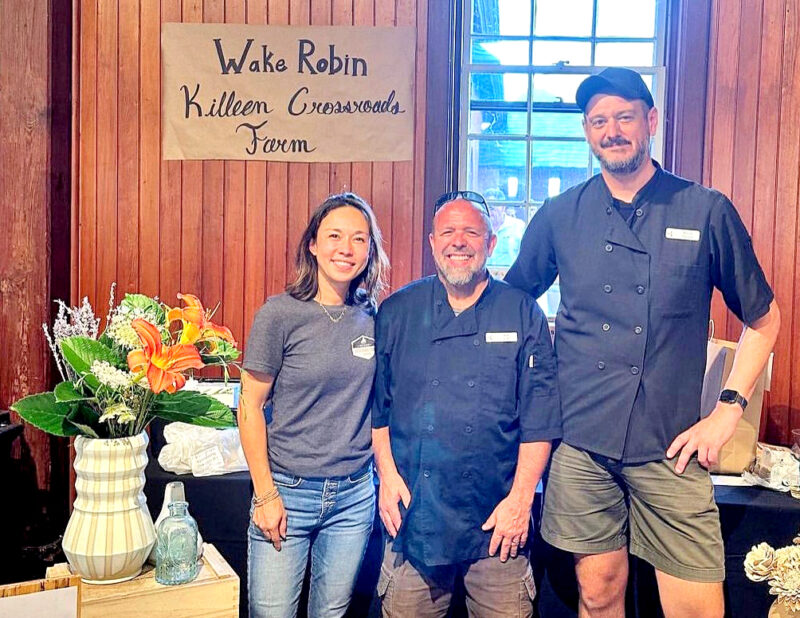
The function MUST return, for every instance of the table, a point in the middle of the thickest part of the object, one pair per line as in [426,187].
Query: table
[748,515]
[215,592]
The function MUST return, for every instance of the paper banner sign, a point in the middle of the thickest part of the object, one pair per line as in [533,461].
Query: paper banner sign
[287,93]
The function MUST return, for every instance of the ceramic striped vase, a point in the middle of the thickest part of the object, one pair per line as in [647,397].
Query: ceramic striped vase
[110,532]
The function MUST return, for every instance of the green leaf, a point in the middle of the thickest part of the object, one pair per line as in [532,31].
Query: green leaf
[146,305]
[66,392]
[81,352]
[44,412]
[193,408]
[83,417]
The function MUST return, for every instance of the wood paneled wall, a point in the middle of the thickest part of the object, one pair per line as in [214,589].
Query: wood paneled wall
[34,177]
[752,154]
[225,230]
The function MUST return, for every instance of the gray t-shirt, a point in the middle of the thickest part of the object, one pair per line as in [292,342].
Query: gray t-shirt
[321,397]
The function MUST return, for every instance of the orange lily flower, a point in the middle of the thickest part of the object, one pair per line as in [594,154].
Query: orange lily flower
[196,325]
[163,363]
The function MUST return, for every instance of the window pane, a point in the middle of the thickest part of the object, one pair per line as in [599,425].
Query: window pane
[498,123]
[499,52]
[556,166]
[636,18]
[563,18]
[506,17]
[509,224]
[624,54]
[556,88]
[508,87]
[553,52]
[556,124]
[497,168]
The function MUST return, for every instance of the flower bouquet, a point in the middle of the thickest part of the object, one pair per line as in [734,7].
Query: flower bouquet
[780,568]
[113,384]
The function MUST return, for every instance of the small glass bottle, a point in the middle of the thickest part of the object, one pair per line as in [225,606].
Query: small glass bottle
[176,547]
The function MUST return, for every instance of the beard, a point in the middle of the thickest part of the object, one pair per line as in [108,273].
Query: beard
[459,275]
[624,166]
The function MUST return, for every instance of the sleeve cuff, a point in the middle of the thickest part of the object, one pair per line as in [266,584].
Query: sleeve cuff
[541,435]
[251,366]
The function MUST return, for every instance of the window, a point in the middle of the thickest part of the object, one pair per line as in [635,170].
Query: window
[521,139]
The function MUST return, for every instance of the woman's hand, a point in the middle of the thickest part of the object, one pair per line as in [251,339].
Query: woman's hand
[391,491]
[271,520]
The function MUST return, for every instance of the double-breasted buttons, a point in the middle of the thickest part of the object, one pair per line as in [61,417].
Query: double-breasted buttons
[601,365]
[635,370]
[609,248]
[606,327]
[639,212]
[607,288]
[640,289]
[637,330]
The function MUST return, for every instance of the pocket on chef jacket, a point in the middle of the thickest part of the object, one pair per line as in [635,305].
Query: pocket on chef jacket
[499,373]
[678,290]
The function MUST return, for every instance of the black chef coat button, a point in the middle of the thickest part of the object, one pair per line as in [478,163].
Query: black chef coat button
[639,212]
[609,248]
[435,382]
[601,365]
[606,327]
[638,330]
[608,210]
[640,289]
[607,288]
[635,370]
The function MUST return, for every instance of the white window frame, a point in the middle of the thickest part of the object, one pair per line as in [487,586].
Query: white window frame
[659,73]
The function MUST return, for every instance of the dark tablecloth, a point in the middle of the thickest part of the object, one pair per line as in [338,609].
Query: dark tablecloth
[748,515]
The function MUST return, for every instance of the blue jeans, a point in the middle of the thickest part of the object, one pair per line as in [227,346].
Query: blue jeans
[330,519]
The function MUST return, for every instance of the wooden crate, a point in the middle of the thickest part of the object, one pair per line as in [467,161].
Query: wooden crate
[215,592]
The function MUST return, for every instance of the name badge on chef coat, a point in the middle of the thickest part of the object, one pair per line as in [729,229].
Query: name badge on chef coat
[501,337]
[363,347]
[675,233]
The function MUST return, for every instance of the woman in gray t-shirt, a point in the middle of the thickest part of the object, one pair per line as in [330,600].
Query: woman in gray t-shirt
[310,356]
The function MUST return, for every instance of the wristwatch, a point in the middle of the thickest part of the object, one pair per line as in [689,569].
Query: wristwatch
[731,396]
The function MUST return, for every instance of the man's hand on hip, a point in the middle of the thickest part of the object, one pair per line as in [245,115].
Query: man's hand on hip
[392,490]
[706,437]
[510,520]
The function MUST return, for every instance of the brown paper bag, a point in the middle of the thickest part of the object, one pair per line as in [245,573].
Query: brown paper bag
[740,451]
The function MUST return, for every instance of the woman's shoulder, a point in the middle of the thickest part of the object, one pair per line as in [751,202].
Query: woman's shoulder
[281,306]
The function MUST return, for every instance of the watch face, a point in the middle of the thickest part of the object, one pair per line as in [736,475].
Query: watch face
[727,397]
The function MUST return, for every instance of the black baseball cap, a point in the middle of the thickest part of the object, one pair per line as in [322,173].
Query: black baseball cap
[613,80]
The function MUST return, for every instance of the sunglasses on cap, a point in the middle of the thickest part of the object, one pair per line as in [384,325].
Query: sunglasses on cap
[470,196]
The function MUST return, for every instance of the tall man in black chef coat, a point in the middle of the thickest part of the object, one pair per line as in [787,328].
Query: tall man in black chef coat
[638,252]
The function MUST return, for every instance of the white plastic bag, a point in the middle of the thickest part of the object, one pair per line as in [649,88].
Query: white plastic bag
[203,451]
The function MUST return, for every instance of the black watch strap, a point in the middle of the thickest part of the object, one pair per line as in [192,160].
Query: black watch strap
[732,396]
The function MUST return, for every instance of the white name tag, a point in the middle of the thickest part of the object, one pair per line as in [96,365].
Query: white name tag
[675,233]
[363,347]
[501,337]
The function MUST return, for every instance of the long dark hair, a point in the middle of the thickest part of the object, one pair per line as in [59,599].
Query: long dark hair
[365,288]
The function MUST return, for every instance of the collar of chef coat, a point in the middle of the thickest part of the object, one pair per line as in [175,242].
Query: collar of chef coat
[446,323]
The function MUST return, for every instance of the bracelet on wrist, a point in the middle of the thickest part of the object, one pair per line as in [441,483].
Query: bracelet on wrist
[267,496]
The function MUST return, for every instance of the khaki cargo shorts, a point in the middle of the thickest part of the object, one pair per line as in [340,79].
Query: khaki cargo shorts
[594,505]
